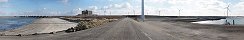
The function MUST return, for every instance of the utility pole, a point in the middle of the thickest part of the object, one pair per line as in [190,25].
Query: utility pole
[142,11]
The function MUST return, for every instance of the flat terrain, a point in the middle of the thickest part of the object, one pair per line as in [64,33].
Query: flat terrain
[129,29]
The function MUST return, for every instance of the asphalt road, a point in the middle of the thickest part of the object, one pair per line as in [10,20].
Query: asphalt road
[124,29]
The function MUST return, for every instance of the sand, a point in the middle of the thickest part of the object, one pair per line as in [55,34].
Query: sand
[42,25]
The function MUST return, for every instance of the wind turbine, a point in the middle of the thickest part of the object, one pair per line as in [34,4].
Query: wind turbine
[104,12]
[179,11]
[110,13]
[147,13]
[159,12]
[134,12]
[128,13]
[227,15]
[142,11]
[227,10]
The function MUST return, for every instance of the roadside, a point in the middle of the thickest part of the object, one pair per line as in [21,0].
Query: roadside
[221,32]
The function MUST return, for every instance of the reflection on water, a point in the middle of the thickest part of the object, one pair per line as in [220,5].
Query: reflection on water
[237,21]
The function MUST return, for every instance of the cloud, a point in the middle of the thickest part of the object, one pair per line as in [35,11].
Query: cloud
[6,13]
[44,8]
[238,9]
[92,8]
[2,12]
[190,7]
[110,0]
[125,5]
[151,1]
[65,1]
[4,6]
[167,7]
[155,1]
[3,0]
[119,8]
[195,7]
[46,12]
[76,11]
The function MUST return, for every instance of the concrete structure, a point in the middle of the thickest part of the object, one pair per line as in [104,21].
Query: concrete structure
[85,13]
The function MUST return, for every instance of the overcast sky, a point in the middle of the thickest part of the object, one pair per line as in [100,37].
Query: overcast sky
[122,7]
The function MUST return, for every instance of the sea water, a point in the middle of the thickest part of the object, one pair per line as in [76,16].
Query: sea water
[237,21]
[8,23]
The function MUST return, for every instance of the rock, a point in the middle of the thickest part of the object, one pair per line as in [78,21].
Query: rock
[83,24]
[35,34]
[72,29]
[2,34]
[52,32]
[19,35]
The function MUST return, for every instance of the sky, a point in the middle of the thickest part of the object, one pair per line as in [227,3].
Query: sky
[121,7]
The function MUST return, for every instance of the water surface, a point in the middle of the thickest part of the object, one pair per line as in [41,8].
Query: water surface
[8,23]
[237,21]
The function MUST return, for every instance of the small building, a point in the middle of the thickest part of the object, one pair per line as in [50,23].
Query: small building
[86,13]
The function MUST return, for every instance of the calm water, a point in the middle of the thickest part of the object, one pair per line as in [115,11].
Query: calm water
[237,21]
[7,23]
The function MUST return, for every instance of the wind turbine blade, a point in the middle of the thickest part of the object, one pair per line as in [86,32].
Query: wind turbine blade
[228,5]
[229,10]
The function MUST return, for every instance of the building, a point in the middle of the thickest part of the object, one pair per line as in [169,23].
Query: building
[86,13]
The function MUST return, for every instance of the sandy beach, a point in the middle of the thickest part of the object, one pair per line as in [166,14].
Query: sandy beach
[42,25]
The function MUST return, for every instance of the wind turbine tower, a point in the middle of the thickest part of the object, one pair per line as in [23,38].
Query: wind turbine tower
[128,12]
[142,10]
[179,12]
[134,12]
[110,13]
[227,10]
[104,12]
[227,15]
[159,13]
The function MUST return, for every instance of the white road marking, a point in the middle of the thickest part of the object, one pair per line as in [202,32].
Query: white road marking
[147,35]
[170,34]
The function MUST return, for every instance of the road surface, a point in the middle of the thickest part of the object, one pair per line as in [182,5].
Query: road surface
[125,29]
